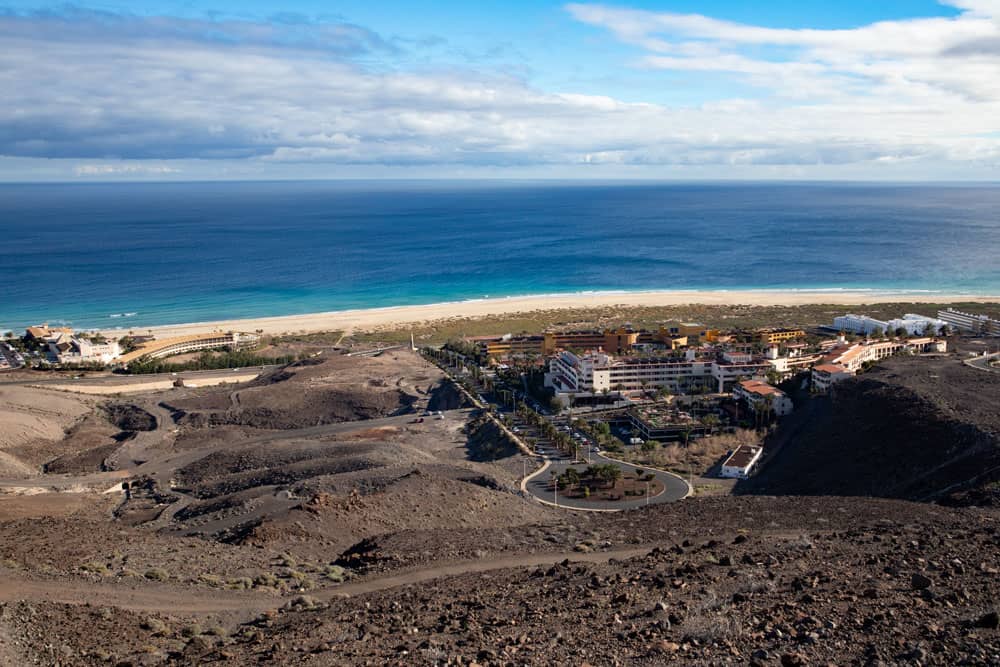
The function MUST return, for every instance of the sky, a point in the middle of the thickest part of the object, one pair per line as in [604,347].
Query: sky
[675,89]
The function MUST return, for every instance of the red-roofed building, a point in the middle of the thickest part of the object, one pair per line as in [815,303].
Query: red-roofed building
[825,376]
[761,395]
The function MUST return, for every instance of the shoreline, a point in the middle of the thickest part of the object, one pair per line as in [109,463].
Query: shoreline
[392,317]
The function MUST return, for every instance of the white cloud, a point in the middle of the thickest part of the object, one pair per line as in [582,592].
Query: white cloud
[123,170]
[148,90]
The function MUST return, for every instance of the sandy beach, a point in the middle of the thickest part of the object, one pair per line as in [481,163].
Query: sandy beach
[393,317]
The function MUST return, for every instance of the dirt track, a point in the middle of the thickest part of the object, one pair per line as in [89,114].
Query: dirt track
[169,599]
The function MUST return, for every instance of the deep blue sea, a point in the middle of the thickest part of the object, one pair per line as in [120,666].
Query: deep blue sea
[133,255]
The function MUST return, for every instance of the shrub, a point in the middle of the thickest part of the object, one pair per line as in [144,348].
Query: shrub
[210,579]
[157,574]
[266,579]
[336,573]
[240,583]
[94,567]
[192,630]
[154,626]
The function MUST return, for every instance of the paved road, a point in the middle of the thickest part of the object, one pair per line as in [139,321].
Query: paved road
[674,488]
[982,363]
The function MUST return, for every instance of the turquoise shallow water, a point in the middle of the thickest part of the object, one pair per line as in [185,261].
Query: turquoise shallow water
[135,255]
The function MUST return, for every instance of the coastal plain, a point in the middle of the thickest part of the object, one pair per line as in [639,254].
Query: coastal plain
[395,317]
[361,509]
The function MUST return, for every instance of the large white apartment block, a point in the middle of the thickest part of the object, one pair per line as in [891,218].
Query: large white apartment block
[917,325]
[860,324]
[599,373]
[969,323]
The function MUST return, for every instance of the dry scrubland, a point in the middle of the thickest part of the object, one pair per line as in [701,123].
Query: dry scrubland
[304,518]
[719,316]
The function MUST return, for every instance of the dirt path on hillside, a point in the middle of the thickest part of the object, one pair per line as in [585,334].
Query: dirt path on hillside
[149,598]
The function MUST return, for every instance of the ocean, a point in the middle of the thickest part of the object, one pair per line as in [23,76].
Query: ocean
[133,255]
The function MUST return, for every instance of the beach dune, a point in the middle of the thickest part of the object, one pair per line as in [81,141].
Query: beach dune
[397,316]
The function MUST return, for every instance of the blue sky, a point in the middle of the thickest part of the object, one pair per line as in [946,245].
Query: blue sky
[672,89]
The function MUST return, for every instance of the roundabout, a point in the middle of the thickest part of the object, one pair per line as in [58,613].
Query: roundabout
[605,495]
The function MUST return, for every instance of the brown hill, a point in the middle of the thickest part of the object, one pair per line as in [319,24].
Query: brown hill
[920,429]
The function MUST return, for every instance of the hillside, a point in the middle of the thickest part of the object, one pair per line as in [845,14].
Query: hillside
[919,429]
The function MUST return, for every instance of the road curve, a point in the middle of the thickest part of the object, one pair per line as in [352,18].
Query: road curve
[537,484]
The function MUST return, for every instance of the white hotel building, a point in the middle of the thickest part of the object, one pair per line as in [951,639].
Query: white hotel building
[970,323]
[599,373]
[913,324]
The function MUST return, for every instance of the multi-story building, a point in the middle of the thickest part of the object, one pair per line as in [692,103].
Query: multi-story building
[860,324]
[762,396]
[969,323]
[157,349]
[733,367]
[854,357]
[508,346]
[69,349]
[825,376]
[599,373]
[796,359]
[917,325]
[695,333]
[775,336]
[613,341]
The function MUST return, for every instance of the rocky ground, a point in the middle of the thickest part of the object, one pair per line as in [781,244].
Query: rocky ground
[362,536]
[778,582]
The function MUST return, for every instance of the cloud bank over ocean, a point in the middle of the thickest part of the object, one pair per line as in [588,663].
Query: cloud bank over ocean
[94,94]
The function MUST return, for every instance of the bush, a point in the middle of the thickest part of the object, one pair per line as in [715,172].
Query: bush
[267,579]
[240,583]
[336,573]
[154,626]
[94,567]
[192,630]
[210,579]
[157,574]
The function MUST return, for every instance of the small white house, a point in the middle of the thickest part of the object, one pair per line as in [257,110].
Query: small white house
[741,462]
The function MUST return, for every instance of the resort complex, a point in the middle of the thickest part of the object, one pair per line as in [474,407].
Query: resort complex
[157,349]
[61,346]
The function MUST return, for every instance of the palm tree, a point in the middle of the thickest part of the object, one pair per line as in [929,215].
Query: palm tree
[711,422]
